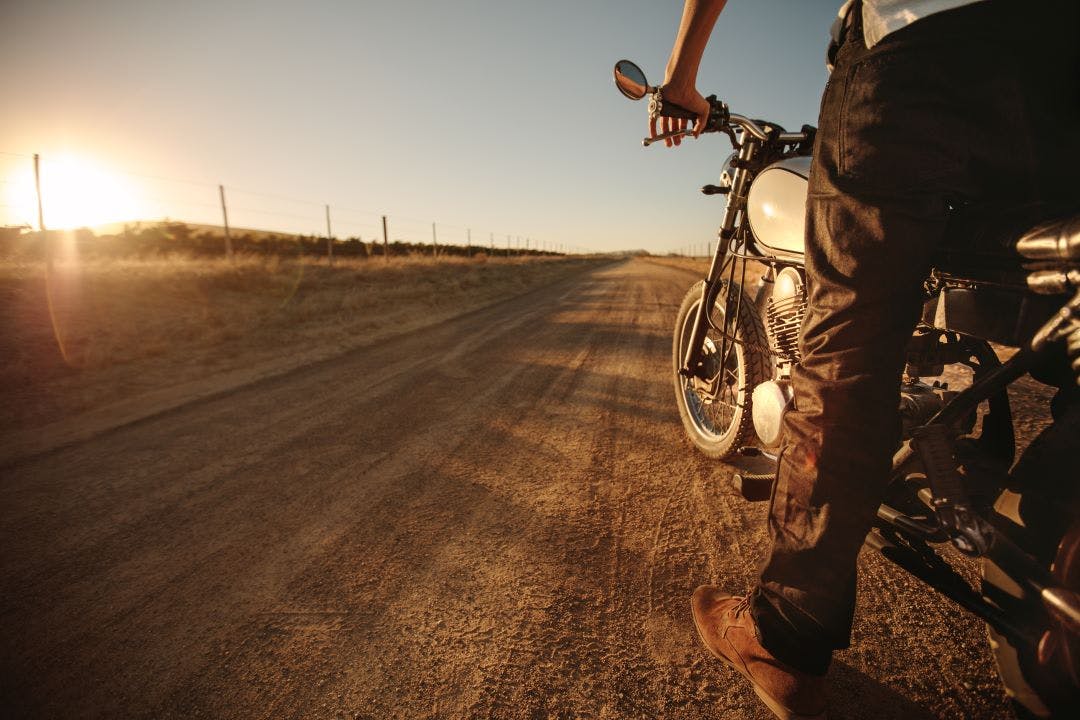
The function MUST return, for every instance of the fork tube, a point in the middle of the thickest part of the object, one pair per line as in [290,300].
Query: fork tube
[736,202]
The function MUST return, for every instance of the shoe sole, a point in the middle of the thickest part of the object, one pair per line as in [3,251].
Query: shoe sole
[772,703]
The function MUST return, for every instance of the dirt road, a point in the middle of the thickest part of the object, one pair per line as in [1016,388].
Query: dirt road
[495,517]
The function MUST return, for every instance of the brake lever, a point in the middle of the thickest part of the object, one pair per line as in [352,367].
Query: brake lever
[646,142]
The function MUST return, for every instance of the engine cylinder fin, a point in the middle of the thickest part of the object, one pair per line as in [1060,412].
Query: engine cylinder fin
[784,321]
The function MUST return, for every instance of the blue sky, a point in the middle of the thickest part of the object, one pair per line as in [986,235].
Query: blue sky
[495,116]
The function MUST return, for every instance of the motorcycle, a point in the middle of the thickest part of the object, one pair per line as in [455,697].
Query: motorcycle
[736,340]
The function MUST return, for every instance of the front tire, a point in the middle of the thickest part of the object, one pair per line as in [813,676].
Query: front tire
[717,415]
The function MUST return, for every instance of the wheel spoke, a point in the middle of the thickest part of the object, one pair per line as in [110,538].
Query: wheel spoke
[715,411]
[718,414]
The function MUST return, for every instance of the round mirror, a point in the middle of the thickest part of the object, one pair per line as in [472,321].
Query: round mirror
[630,80]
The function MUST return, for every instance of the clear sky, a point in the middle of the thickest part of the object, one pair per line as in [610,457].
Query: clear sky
[499,116]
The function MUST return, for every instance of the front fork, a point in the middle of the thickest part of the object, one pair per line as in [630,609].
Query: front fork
[693,365]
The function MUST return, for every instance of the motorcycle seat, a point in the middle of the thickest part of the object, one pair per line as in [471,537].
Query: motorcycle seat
[982,278]
[980,244]
[988,244]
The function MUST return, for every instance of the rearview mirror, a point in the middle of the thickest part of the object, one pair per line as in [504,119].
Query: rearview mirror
[631,80]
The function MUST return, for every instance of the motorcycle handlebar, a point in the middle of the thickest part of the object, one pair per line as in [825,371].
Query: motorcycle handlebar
[759,132]
[720,119]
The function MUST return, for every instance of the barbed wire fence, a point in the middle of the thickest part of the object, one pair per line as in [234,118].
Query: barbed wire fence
[250,220]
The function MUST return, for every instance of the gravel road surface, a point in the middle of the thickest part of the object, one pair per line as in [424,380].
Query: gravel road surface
[494,517]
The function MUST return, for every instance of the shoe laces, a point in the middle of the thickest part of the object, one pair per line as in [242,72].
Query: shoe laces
[743,606]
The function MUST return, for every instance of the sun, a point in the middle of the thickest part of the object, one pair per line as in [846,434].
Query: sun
[75,192]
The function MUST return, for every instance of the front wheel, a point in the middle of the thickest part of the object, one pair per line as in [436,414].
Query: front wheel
[715,409]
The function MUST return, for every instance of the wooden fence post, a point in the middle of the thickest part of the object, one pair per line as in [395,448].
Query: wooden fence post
[329,240]
[225,217]
[41,214]
[385,241]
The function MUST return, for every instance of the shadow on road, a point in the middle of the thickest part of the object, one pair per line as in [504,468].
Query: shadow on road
[854,695]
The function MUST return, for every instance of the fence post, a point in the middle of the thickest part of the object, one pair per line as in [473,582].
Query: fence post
[468,242]
[329,240]
[385,241]
[225,216]
[41,214]
[434,242]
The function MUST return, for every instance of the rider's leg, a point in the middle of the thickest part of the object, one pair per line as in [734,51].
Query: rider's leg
[905,128]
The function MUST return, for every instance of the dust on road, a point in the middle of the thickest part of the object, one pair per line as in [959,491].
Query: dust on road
[494,517]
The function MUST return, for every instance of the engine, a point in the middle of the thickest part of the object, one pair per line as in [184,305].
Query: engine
[784,314]
[919,402]
[784,311]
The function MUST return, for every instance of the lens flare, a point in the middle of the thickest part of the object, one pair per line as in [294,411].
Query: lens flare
[75,192]
[78,193]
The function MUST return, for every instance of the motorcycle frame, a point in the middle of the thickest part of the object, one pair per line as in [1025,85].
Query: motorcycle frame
[733,214]
[915,553]
[755,149]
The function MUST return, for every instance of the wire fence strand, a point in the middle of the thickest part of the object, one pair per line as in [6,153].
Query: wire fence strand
[137,200]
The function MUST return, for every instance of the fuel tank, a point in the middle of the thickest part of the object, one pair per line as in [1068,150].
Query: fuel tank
[776,205]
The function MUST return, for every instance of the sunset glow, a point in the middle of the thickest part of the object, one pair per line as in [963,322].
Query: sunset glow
[360,106]
[76,192]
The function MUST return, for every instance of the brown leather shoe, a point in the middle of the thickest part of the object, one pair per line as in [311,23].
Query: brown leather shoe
[727,629]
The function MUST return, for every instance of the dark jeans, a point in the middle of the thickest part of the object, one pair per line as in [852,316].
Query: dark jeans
[975,105]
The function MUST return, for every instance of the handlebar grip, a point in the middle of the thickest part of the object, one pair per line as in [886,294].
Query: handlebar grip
[675,111]
[658,107]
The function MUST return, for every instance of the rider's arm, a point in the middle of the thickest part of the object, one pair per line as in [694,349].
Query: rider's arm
[680,82]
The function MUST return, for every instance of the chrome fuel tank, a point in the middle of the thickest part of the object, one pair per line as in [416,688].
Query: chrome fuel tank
[776,205]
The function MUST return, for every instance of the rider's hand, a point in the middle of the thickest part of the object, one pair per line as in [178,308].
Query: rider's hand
[698,18]
[685,97]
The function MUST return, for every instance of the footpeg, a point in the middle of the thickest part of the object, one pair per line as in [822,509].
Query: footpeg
[969,532]
[755,472]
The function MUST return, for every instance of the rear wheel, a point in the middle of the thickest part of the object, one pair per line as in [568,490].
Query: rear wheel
[715,410]
[1046,688]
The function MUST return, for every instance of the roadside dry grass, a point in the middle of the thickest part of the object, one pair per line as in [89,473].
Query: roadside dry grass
[698,265]
[96,331]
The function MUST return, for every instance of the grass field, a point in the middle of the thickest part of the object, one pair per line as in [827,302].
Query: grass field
[91,332]
[697,265]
